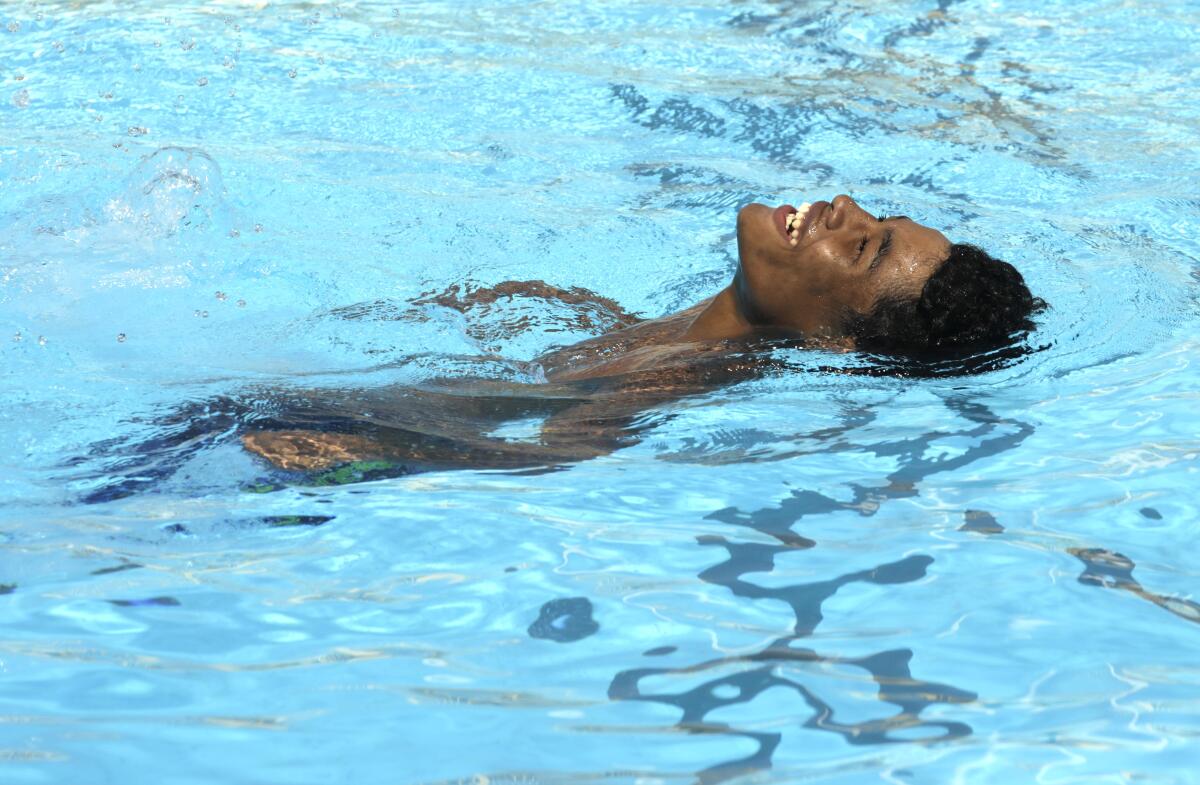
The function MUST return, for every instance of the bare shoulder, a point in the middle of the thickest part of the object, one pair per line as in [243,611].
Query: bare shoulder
[644,345]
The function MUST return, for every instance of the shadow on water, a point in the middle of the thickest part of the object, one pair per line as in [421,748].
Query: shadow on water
[991,435]
[1111,570]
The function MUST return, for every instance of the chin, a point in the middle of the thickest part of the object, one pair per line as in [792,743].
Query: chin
[752,214]
[753,226]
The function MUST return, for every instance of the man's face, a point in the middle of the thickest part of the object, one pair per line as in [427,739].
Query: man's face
[833,258]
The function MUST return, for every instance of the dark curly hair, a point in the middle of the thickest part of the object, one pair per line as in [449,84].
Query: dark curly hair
[974,303]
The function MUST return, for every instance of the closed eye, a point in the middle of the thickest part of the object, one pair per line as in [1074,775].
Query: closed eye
[885,247]
[862,246]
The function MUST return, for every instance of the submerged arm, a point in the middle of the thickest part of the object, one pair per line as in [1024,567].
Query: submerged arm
[464,299]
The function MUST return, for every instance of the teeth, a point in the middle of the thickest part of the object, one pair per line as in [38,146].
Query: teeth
[794,220]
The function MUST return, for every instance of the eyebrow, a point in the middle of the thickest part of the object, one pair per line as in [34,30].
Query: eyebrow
[885,247]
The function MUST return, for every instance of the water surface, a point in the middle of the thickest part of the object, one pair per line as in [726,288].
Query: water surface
[811,577]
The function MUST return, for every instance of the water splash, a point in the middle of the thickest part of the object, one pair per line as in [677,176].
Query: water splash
[173,190]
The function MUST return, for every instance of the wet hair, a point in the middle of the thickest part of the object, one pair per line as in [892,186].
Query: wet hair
[973,304]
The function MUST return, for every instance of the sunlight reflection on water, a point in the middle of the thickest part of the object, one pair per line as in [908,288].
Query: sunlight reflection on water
[811,575]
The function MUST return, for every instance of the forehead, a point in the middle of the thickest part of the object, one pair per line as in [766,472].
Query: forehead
[917,251]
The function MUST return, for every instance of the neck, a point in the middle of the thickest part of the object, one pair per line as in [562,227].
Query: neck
[720,320]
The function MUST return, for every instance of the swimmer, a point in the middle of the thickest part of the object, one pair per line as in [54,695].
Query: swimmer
[825,275]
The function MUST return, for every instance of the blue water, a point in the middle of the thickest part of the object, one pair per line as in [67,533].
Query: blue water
[812,577]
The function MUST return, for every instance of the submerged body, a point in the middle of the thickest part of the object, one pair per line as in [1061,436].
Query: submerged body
[826,274]
[593,391]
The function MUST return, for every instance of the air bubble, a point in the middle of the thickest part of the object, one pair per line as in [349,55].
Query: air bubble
[17,338]
[292,73]
[241,303]
[58,46]
[41,340]
[187,45]
[221,296]
[258,228]
[229,62]
[202,81]
[200,314]
[120,337]
[14,26]
[137,130]
[21,99]
[234,233]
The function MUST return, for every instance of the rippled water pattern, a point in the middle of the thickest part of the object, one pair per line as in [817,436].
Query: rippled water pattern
[813,577]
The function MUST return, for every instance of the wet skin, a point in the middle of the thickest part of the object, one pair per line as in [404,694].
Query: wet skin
[844,260]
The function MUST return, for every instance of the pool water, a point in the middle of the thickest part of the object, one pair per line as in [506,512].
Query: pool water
[809,577]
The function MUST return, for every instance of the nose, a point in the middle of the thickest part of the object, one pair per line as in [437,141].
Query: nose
[842,210]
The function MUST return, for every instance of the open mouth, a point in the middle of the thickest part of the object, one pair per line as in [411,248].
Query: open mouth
[782,218]
[790,221]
